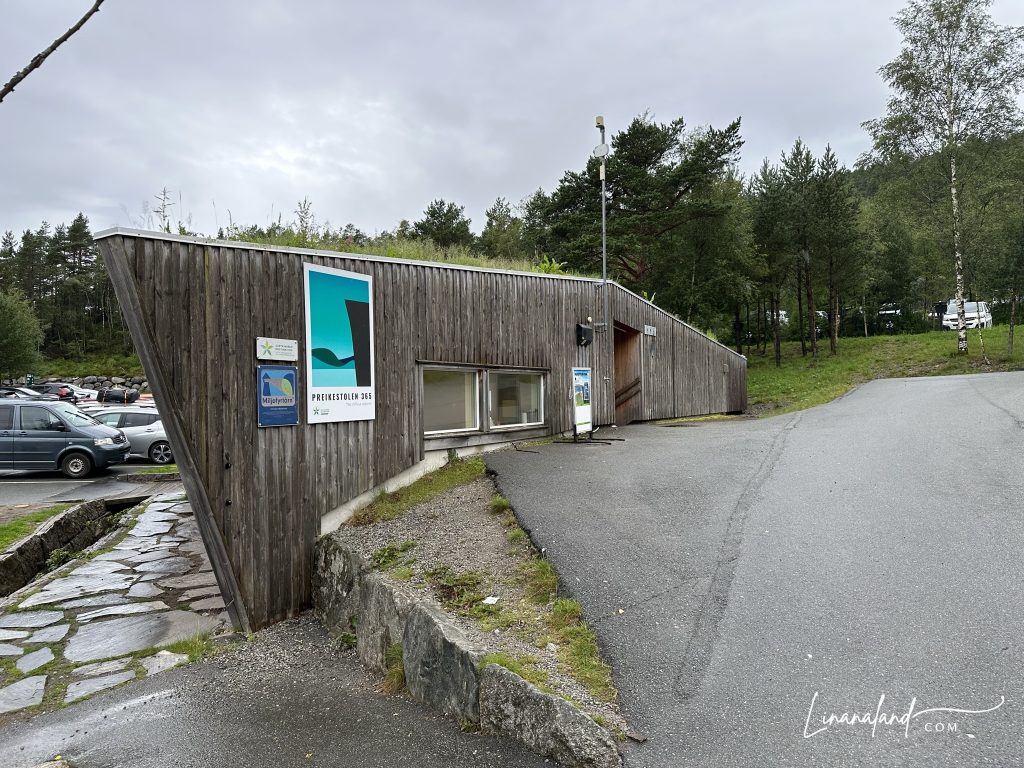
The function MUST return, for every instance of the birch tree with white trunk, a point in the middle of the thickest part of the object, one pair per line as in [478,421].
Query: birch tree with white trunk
[956,80]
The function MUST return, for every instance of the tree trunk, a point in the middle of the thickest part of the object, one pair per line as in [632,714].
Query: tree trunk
[776,336]
[760,324]
[749,329]
[693,283]
[958,260]
[800,309]
[1013,321]
[834,339]
[737,330]
[864,314]
[811,314]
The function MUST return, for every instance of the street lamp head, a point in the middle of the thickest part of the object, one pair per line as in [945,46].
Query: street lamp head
[599,121]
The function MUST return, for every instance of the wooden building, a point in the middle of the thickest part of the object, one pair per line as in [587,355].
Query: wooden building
[460,357]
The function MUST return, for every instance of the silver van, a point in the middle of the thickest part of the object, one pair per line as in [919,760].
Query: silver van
[56,435]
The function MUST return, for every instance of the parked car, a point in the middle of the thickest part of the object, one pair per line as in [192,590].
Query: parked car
[24,393]
[60,389]
[976,313]
[84,393]
[889,311]
[53,434]
[143,428]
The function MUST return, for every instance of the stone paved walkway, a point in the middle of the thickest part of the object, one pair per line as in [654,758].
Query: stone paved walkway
[101,621]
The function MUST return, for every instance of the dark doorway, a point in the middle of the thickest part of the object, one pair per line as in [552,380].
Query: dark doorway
[628,375]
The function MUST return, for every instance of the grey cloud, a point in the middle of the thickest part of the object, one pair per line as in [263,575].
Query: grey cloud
[374,109]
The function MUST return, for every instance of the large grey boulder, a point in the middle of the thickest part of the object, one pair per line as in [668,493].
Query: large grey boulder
[336,577]
[383,609]
[548,725]
[440,663]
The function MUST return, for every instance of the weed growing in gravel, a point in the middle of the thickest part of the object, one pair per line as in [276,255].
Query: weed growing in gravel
[394,678]
[565,613]
[403,573]
[515,535]
[541,581]
[455,590]
[499,504]
[388,506]
[524,666]
[578,650]
[346,640]
[58,557]
[579,653]
[197,647]
[492,617]
[392,555]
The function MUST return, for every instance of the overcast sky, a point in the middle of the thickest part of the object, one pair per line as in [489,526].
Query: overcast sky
[373,109]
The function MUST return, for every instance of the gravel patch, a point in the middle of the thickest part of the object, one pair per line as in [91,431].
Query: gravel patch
[457,529]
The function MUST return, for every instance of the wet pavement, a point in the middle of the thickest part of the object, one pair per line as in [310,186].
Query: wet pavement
[769,591]
[286,699]
[99,621]
[87,636]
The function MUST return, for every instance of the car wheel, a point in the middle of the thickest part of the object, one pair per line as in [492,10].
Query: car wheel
[160,452]
[76,465]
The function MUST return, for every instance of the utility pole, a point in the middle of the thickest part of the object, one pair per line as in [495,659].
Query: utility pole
[601,151]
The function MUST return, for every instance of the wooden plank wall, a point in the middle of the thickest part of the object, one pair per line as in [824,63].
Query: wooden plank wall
[201,306]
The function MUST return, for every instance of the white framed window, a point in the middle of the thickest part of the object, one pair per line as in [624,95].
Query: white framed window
[515,399]
[451,400]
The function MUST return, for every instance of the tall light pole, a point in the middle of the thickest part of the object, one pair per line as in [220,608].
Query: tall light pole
[601,151]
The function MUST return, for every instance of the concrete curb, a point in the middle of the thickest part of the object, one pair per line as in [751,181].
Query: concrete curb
[154,477]
[442,667]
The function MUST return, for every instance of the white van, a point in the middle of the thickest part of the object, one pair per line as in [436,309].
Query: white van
[976,313]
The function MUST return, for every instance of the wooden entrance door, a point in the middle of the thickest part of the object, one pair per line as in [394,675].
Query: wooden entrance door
[628,375]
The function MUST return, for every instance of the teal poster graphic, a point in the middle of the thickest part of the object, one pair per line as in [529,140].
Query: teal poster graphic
[339,345]
[278,395]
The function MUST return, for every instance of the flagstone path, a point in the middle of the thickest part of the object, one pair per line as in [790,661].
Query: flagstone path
[99,622]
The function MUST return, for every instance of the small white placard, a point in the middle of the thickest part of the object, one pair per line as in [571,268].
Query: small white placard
[650,330]
[276,349]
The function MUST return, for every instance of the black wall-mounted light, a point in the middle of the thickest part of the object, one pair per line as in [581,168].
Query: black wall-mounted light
[584,335]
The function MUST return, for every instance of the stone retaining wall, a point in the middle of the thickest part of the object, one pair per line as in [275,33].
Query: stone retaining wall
[73,529]
[92,382]
[443,667]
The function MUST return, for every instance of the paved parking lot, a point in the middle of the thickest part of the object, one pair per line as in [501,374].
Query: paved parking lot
[749,578]
[33,490]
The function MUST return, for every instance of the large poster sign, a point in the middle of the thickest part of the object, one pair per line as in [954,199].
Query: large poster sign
[339,345]
[277,402]
[581,400]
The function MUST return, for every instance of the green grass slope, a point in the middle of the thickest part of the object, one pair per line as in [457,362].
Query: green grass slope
[802,382]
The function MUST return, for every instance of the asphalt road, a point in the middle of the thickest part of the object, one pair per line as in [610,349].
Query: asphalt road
[287,699]
[748,579]
[45,487]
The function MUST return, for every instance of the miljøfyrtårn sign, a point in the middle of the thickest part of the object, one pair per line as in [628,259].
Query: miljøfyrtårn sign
[339,345]
[277,395]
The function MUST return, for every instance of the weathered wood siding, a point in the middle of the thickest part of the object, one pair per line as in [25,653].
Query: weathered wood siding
[195,309]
